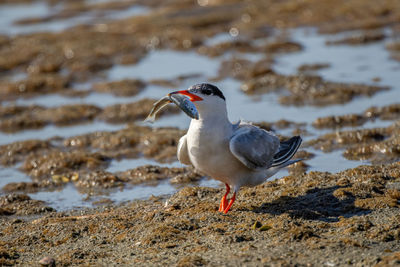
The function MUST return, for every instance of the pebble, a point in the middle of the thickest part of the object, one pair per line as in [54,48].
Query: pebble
[47,261]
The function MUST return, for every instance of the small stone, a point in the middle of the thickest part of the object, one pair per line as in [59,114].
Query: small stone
[75,177]
[56,178]
[47,261]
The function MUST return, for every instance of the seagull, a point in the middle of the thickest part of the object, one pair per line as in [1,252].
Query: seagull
[239,154]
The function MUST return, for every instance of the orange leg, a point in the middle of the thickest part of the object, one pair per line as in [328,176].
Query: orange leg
[224,201]
[230,203]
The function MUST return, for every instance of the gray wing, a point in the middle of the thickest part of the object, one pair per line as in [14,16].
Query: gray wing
[182,152]
[253,146]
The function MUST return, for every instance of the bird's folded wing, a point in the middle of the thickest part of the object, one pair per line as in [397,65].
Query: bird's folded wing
[253,146]
[182,152]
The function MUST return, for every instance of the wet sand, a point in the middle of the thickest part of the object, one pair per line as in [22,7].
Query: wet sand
[307,218]
[349,218]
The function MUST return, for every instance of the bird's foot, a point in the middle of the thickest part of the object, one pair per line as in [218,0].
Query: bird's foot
[224,201]
[230,203]
[223,204]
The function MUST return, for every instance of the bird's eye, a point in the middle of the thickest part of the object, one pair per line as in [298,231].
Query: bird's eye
[207,92]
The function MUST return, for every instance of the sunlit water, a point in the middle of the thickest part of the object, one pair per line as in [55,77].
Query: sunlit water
[358,64]
[56,131]
[11,13]
[166,65]
[12,175]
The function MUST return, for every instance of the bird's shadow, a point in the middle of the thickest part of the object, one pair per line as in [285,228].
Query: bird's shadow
[317,204]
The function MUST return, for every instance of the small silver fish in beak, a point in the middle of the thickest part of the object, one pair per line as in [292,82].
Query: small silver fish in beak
[185,104]
[157,106]
[179,99]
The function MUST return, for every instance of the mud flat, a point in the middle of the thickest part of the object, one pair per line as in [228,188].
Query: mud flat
[348,218]
[315,218]
[103,75]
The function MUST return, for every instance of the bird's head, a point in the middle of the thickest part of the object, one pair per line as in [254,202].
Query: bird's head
[205,96]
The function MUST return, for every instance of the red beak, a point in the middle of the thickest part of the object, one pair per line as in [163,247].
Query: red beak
[192,97]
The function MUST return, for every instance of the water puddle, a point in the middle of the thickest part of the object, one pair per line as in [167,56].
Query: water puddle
[166,64]
[331,162]
[63,199]
[68,197]
[9,14]
[12,175]
[52,131]
[219,38]
[126,13]
[126,164]
[93,98]
[163,188]
[351,64]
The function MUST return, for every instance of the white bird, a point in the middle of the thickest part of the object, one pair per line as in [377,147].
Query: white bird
[238,154]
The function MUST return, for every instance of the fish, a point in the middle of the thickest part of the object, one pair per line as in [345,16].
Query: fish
[181,101]
[185,105]
[157,106]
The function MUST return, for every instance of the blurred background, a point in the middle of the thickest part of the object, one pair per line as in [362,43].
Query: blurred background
[77,78]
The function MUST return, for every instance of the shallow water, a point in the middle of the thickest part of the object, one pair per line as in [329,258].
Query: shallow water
[93,98]
[126,164]
[347,64]
[356,64]
[53,131]
[63,199]
[9,14]
[165,64]
[12,175]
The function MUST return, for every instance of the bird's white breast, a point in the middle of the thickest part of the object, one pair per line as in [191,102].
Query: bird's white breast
[208,148]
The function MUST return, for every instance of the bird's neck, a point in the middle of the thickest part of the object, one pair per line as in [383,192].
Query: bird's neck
[212,124]
[217,115]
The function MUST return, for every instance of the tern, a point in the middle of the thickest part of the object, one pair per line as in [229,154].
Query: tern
[239,154]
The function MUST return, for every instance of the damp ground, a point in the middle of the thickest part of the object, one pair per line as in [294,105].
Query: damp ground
[74,147]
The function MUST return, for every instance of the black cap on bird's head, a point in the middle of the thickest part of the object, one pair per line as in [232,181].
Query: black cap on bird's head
[206,89]
[195,92]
